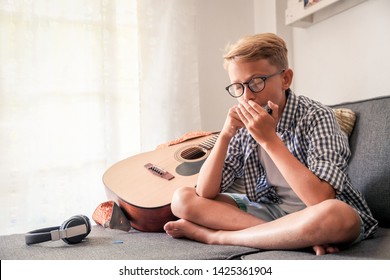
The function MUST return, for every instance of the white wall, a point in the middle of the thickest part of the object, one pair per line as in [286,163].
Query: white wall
[219,22]
[343,58]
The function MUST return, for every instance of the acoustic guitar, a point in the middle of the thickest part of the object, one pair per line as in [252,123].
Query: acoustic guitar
[143,185]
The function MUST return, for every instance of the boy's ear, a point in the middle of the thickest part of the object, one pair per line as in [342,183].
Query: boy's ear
[287,78]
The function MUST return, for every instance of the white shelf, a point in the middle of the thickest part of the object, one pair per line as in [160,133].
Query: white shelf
[299,16]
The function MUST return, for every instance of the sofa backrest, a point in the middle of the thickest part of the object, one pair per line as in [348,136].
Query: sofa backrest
[369,167]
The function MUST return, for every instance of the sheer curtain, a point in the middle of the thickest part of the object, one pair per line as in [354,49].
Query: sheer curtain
[169,69]
[84,84]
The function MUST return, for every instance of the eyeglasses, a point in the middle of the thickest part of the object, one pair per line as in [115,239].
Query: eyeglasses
[256,84]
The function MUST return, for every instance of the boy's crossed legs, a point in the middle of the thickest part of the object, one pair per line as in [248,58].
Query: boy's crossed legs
[221,222]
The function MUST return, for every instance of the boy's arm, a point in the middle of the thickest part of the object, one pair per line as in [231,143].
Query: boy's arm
[210,175]
[309,188]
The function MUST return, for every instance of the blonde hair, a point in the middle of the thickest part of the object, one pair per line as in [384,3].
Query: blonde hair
[260,46]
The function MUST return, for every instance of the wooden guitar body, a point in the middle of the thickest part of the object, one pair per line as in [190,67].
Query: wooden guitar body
[143,185]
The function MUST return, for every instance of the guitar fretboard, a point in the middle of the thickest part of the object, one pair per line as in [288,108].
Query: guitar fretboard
[209,143]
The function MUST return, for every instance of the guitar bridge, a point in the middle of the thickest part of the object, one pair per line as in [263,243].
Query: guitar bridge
[159,171]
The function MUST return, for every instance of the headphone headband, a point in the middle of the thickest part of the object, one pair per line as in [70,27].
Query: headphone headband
[67,233]
[72,231]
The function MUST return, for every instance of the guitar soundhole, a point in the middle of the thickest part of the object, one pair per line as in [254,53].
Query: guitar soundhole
[192,153]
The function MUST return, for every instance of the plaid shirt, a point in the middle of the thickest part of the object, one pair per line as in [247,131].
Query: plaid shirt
[311,133]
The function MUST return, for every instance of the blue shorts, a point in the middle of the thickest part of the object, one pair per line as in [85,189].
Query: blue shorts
[265,211]
[361,235]
[269,212]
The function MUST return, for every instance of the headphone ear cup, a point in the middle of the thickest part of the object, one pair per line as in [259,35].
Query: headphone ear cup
[76,221]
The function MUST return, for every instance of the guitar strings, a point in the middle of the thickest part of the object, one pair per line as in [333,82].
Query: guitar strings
[195,152]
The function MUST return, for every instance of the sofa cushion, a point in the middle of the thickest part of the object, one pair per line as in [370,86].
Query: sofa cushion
[346,119]
[377,248]
[111,244]
[369,164]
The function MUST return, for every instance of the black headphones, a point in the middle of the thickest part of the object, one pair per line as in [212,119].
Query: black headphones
[72,231]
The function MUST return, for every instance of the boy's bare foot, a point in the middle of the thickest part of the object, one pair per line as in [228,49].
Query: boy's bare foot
[325,249]
[183,228]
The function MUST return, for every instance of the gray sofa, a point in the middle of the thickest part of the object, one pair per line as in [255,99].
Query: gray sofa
[369,171]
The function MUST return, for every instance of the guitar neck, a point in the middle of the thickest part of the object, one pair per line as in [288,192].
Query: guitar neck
[209,143]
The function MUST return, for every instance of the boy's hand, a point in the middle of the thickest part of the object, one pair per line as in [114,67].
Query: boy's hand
[232,123]
[259,123]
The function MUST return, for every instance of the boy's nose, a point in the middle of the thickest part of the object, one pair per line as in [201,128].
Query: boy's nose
[248,94]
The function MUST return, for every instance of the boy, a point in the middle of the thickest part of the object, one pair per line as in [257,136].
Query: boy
[274,180]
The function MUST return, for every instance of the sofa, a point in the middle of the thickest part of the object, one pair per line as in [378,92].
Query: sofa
[369,170]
